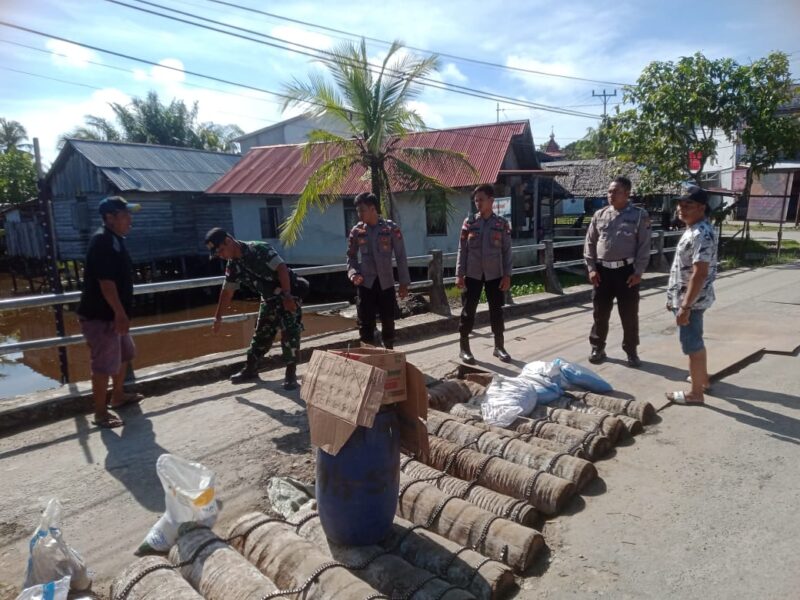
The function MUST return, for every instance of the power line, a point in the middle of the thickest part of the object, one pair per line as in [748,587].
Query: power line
[94,87]
[445,54]
[211,77]
[124,70]
[326,57]
[86,85]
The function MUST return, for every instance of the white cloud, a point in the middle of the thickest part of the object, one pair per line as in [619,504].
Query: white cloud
[429,115]
[50,118]
[170,72]
[70,55]
[450,72]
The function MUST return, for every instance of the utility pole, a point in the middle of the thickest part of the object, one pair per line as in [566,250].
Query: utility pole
[605,98]
[51,255]
[600,137]
[498,112]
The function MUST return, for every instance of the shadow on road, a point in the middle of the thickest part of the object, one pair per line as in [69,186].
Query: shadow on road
[132,452]
[751,402]
[296,442]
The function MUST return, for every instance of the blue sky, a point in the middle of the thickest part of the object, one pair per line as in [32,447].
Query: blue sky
[605,41]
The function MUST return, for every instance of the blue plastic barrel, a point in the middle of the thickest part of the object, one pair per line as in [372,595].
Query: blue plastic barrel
[357,489]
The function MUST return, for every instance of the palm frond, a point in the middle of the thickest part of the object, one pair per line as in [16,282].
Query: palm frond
[438,161]
[330,145]
[411,178]
[321,190]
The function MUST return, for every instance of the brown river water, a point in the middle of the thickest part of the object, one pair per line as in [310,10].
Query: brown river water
[36,370]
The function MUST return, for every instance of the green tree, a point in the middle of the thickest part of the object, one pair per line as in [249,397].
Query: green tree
[17,177]
[678,107]
[219,137]
[149,121]
[585,148]
[372,102]
[13,136]
[767,131]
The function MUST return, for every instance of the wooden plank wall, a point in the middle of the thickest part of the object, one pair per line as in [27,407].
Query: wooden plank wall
[170,224]
[24,238]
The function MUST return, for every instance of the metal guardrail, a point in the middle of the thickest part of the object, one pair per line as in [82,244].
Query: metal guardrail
[71,340]
[184,284]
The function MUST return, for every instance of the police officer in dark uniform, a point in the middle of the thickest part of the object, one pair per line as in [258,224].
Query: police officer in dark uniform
[617,250]
[484,262]
[259,267]
[374,239]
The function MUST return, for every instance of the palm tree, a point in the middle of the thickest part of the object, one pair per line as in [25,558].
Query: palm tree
[13,136]
[95,128]
[373,104]
[149,121]
[219,137]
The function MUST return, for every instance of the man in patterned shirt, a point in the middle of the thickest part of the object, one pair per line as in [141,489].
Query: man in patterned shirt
[257,266]
[691,288]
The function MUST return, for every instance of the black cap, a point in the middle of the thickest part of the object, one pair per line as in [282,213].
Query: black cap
[214,239]
[113,204]
[696,194]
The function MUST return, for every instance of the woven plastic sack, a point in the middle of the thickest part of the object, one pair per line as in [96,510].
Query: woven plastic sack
[52,590]
[506,399]
[51,558]
[546,378]
[189,496]
[579,376]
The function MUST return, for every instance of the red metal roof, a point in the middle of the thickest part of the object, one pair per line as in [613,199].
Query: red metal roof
[280,170]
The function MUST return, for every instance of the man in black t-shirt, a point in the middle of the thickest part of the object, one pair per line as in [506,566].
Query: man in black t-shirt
[105,307]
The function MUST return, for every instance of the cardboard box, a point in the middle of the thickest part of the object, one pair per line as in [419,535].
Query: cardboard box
[344,389]
[394,363]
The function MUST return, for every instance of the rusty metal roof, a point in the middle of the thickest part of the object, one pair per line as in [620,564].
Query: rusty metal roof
[280,170]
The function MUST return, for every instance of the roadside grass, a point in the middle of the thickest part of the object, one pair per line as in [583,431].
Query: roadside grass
[524,285]
[758,253]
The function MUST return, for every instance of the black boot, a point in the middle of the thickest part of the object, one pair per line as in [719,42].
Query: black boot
[248,373]
[290,379]
[499,350]
[466,353]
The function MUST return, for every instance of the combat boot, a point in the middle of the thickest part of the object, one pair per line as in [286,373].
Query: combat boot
[248,373]
[466,354]
[290,379]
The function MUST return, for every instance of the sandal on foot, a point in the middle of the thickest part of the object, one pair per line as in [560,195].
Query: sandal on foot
[706,388]
[127,400]
[681,398]
[107,421]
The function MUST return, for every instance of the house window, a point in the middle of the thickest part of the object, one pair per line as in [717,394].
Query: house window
[80,215]
[271,217]
[350,215]
[436,214]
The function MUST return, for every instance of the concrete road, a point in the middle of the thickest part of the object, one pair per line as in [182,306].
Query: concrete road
[704,504]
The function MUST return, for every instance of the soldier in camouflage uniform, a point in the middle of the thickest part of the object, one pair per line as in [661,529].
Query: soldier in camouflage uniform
[484,262]
[370,246]
[617,250]
[257,266]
